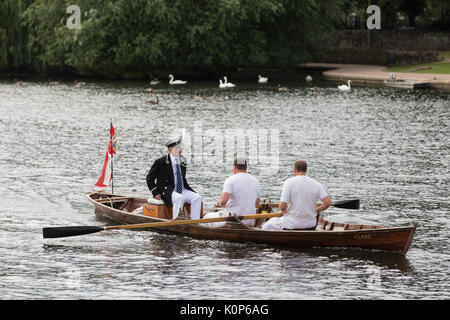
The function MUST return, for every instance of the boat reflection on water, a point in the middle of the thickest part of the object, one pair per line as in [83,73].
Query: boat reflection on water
[172,246]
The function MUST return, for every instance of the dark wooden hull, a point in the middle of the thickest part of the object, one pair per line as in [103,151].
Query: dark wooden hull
[394,239]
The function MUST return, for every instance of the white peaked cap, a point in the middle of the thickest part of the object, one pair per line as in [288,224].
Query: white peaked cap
[173,142]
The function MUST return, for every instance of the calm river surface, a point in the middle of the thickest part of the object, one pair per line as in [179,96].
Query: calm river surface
[388,148]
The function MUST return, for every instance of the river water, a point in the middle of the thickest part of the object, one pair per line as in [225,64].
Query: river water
[388,148]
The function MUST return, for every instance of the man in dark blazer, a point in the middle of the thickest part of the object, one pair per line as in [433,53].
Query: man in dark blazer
[167,181]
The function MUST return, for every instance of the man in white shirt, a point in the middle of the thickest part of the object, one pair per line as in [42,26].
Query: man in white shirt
[240,195]
[167,181]
[298,202]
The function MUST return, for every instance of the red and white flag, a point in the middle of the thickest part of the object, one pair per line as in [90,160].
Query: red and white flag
[106,177]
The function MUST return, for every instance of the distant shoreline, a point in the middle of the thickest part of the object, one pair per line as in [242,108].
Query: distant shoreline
[366,75]
[374,75]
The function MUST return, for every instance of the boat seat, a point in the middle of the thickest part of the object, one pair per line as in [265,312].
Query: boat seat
[157,208]
[328,226]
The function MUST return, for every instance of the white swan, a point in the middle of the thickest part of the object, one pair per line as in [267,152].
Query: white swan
[221,84]
[309,79]
[228,84]
[392,76]
[262,79]
[176,81]
[344,87]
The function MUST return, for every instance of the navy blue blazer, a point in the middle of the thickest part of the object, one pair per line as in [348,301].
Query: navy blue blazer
[160,179]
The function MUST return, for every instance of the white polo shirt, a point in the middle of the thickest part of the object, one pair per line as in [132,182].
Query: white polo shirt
[244,190]
[301,193]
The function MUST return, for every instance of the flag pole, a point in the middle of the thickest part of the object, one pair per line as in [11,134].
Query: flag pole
[112,155]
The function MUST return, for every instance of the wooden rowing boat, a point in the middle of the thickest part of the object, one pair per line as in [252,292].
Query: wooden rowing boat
[120,209]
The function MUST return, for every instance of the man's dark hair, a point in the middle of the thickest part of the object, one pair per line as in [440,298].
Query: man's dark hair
[240,163]
[301,166]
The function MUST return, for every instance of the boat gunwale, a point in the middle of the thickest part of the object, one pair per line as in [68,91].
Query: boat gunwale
[250,229]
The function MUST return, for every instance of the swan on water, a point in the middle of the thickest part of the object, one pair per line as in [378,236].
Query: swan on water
[344,87]
[176,81]
[262,79]
[309,79]
[228,84]
[221,84]
[392,76]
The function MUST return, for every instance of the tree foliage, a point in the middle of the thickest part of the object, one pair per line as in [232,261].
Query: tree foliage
[144,38]
[423,14]
[13,36]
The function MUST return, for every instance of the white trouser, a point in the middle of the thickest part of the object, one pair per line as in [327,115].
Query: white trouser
[221,214]
[188,196]
[288,222]
[273,224]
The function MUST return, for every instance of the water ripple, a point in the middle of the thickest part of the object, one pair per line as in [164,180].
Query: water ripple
[388,148]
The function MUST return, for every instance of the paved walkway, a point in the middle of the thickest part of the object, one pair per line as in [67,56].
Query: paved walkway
[369,74]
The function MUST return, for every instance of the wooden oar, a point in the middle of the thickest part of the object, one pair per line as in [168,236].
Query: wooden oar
[344,204]
[60,232]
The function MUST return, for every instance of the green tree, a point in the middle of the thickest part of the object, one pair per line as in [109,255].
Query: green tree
[438,14]
[14,52]
[144,38]
[412,8]
[429,12]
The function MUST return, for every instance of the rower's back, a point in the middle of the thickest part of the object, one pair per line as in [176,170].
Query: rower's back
[244,190]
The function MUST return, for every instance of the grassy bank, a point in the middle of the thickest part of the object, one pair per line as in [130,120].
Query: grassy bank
[442,67]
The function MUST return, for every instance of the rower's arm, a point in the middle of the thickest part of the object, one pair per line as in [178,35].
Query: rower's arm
[223,199]
[326,203]
[284,207]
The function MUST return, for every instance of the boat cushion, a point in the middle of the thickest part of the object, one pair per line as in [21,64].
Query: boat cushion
[155,201]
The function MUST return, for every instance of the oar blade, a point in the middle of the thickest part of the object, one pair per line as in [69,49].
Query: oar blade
[347,204]
[61,232]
